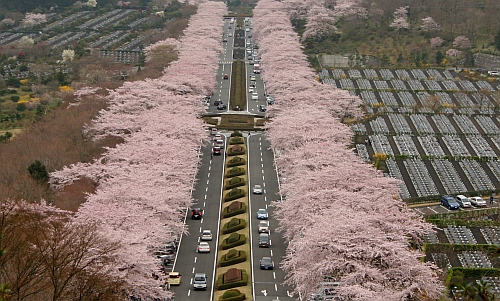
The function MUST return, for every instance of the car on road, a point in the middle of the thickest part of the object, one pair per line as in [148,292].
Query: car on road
[477,201]
[449,202]
[262,214]
[203,247]
[263,227]
[226,76]
[251,89]
[206,235]
[217,137]
[221,107]
[250,58]
[252,78]
[230,35]
[257,189]
[255,96]
[463,201]
[217,102]
[196,213]
[200,281]
[174,278]
[264,241]
[224,39]
[266,263]
[262,108]
[217,151]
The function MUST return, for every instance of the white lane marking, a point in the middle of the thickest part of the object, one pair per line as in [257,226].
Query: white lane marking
[195,259]
[270,243]
[271,253]
[265,198]
[432,209]
[208,181]
[261,159]
[198,239]
[205,196]
[263,183]
[200,229]
[274,275]
[262,165]
[275,287]
[210,168]
[208,175]
[193,270]
[201,222]
[206,189]
[189,293]
[261,155]
[204,203]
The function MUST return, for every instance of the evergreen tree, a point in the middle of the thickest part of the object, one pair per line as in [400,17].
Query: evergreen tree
[38,172]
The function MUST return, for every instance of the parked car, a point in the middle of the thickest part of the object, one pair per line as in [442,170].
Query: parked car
[196,213]
[494,73]
[477,201]
[203,247]
[257,189]
[200,281]
[264,241]
[449,202]
[174,278]
[266,263]
[463,201]
[206,235]
[263,227]
[262,108]
[262,214]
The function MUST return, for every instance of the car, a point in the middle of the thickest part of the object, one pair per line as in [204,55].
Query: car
[174,278]
[224,39]
[251,90]
[256,71]
[249,35]
[221,107]
[266,263]
[217,137]
[477,201]
[257,189]
[270,101]
[206,235]
[219,142]
[196,213]
[250,58]
[217,102]
[200,281]
[225,76]
[203,247]
[255,96]
[255,46]
[264,241]
[463,201]
[494,73]
[262,108]
[230,27]
[262,214]
[217,151]
[449,202]
[263,227]
[252,78]
[230,35]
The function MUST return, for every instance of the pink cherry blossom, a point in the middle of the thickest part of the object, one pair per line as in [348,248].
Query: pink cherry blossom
[452,52]
[34,19]
[436,42]
[462,42]
[429,24]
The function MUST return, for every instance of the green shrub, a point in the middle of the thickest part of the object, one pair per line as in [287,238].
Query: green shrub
[236,161]
[235,171]
[228,259]
[232,295]
[236,134]
[236,150]
[234,225]
[225,286]
[236,140]
[226,213]
[234,182]
[233,240]
[14,98]
[234,194]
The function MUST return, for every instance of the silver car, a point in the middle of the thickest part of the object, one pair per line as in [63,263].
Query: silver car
[257,189]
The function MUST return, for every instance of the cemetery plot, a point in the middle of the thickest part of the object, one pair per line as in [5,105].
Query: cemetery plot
[394,172]
[476,175]
[448,176]
[460,235]
[420,178]
[421,124]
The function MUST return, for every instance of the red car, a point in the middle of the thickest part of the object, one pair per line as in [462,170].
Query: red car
[196,213]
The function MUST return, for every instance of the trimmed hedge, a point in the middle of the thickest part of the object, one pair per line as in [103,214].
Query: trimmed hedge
[234,194]
[234,172]
[236,140]
[236,161]
[225,286]
[236,134]
[226,213]
[234,182]
[234,225]
[232,295]
[233,240]
[236,150]
[470,273]
[232,257]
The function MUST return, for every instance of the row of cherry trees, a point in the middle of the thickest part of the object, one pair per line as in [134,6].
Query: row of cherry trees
[145,182]
[340,216]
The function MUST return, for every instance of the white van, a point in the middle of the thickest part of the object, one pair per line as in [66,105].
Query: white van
[463,201]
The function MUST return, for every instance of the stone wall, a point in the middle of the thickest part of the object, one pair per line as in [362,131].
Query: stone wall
[487,61]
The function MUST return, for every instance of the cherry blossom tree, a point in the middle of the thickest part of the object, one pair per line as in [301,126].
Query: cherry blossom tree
[366,248]
[400,18]
[8,22]
[436,42]
[34,19]
[143,184]
[453,52]
[462,42]
[429,24]
[25,42]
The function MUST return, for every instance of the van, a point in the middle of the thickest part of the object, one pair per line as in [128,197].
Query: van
[264,241]
[463,201]
[200,281]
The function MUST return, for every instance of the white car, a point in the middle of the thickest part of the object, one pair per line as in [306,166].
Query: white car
[255,96]
[251,90]
[257,189]
[263,227]
[206,235]
[477,201]
[463,201]
[203,247]
[217,137]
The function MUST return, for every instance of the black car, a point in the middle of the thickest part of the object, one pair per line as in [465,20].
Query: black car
[217,102]
[266,263]
[217,151]
[221,106]
[196,213]
[262,108]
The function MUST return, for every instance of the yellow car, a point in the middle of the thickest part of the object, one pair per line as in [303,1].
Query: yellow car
[174,278]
